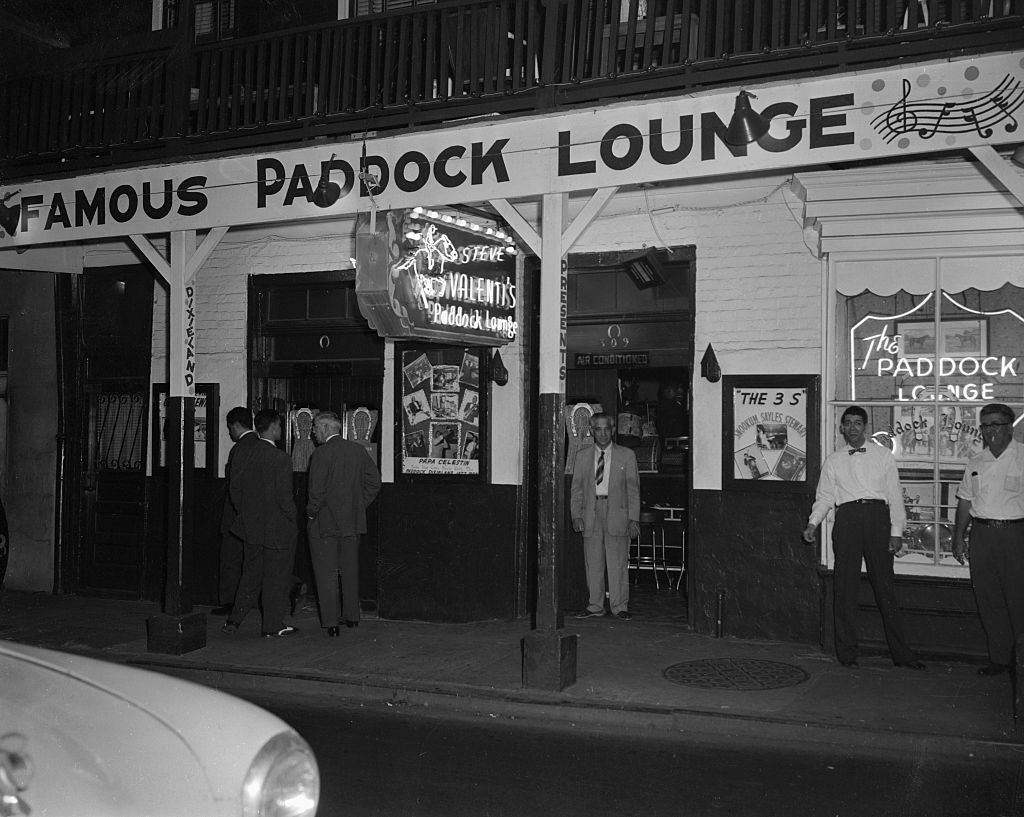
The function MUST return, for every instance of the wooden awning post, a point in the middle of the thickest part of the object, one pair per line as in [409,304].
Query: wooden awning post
[179,630]
[549,655]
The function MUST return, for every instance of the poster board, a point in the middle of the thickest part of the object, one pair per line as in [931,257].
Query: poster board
[442,408]
[207,426]
[770,437]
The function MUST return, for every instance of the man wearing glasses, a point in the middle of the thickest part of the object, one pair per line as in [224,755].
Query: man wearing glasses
[861,482]
[991,499]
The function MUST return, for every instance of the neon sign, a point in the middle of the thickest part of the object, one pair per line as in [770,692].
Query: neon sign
[885,352]
[434,276]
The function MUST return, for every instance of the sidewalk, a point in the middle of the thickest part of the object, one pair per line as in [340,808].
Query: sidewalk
[621,675]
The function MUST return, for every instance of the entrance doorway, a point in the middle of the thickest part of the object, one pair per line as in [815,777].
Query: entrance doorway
[629,350]
[114,487]
[312,349]
[113,351]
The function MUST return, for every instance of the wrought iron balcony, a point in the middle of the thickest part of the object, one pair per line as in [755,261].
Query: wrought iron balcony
[169,97]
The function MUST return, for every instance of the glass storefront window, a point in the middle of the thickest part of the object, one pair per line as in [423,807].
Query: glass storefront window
[923,363]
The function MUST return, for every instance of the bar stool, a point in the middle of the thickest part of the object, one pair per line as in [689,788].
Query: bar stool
[647,550]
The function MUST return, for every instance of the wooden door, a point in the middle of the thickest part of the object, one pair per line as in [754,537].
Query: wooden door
[114,489]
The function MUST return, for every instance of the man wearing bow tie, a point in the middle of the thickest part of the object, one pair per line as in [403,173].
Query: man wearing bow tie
[861,482]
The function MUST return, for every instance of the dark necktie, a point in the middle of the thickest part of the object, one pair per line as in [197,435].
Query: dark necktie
[858,451]
[599,475]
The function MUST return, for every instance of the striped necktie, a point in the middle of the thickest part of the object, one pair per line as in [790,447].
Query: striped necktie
[599,475]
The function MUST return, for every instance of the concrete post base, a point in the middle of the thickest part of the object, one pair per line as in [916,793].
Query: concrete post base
[176,635]
[549,660]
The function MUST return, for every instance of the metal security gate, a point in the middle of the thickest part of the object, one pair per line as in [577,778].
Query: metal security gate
[114,495]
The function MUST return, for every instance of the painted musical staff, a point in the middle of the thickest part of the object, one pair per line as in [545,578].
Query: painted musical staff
[926,119]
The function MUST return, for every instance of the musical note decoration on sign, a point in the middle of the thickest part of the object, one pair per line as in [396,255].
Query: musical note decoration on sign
[926,118]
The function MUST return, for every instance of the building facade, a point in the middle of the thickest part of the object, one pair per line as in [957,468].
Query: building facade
[725,299]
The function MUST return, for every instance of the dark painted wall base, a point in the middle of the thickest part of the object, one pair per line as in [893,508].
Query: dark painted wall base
[746,546]
[208,496]
[940,618]
[447,551]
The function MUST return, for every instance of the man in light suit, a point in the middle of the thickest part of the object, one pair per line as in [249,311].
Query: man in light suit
[343,480]
[260,492]
[605,507]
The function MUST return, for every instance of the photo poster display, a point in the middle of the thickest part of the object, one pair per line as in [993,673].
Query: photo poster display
[769,433]
[205,441]
[443,411]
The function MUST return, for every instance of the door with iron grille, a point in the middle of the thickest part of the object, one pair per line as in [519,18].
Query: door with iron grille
[114,496]
[113,353]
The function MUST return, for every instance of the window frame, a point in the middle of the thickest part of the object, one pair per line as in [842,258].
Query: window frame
[834,335]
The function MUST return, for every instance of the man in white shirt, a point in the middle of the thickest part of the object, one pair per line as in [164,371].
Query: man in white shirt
[605,506]
[861,482]
[991,499]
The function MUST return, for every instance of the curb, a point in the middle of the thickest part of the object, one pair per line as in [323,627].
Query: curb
[533,708]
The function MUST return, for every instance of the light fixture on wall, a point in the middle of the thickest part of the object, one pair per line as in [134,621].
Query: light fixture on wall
[9,216]
[499,374]
[645,270]
[746,125]
[709,368]
[327,192]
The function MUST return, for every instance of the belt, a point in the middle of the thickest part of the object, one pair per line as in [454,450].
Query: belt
[599,498]
[997,523]
[865,502]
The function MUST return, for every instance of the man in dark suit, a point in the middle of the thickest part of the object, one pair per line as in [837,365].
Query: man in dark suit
[239,422]
[343,480]
[605,502]
[260,491]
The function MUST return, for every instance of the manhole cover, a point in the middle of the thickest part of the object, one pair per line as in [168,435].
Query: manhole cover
[735,673]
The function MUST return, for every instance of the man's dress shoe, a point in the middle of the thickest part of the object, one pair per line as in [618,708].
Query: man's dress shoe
[286,630]
[333,632]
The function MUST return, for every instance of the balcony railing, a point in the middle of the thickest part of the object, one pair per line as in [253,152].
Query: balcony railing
[449,60]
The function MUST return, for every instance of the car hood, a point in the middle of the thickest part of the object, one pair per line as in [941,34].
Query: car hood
[100,733]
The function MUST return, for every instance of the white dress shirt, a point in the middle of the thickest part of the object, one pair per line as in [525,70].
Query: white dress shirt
[995,485]
[870,474]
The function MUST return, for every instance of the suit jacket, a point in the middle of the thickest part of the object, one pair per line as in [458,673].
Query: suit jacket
[623,490]
[260,491]
[342,481]
[228,517]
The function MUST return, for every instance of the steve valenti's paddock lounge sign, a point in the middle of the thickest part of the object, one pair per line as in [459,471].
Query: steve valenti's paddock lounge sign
[904,111]
[449,281]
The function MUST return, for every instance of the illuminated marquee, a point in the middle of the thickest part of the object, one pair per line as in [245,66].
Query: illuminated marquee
[433,276]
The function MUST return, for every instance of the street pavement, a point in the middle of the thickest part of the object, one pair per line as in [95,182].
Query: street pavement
[625,676]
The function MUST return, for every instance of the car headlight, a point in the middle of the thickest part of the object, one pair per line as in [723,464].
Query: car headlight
[283,780]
